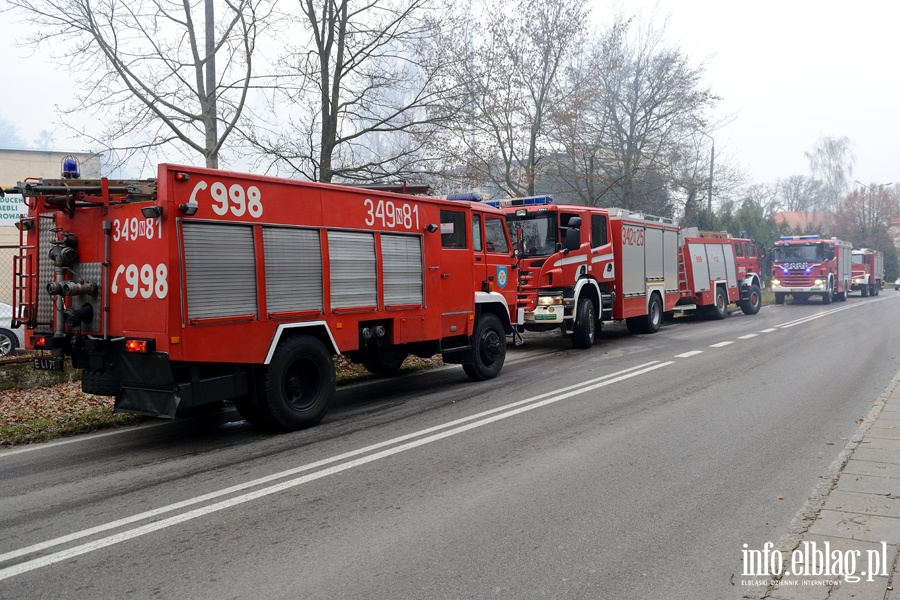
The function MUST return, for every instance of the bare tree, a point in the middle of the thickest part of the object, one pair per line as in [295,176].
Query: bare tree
[511,65]
[145,68]
[831,161]
[361,96]
[9,135]
[654,101]
[799,193]
[864,215]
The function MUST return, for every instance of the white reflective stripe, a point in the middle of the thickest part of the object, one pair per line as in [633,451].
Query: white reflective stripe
[572,260]
[283,326]
[602,257]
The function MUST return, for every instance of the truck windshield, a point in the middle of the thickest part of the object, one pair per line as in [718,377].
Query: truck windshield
[858,259]
[538,232]
[799,253]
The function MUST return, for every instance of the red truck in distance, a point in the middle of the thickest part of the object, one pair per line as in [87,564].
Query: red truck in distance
[204,285]
[716,270]
[868,271]
[807,265]
[583,265]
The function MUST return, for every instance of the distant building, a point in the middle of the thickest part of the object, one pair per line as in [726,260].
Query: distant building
[804,220]
[19,165]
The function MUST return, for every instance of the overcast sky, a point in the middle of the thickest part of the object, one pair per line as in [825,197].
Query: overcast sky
[790,71]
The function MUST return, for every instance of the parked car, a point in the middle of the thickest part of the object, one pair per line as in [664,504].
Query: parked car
[897,284]
[10,338]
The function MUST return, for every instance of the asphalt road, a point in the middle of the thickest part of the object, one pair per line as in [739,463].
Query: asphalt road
[636,469]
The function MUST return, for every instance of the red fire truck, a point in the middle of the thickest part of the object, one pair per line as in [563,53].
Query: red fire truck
[715,270]
[582,265]
[807,265]
[868,271]
[204,285]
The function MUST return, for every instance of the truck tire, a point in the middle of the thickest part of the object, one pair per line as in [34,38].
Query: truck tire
[864,291]
[650,322]
[719,310]
[386,363]
[249,410]
[297,387]
[779,298]
[585,325]
[828,296]
[489,345]
[99,383]
[751,305]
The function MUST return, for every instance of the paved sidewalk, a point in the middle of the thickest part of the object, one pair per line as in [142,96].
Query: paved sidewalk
[855,523]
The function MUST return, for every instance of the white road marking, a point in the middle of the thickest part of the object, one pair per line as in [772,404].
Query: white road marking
[748,336]
[721,344]
[689,354]
[452,428]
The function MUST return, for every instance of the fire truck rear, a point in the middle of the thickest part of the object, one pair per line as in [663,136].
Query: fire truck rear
[807,265]
[582,265]
[715,270]
[205,285]
[868,271]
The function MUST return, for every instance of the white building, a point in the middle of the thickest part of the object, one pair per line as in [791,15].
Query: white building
[19,165]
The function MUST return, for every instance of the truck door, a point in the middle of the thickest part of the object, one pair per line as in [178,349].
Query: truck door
[457,272]
[496,256]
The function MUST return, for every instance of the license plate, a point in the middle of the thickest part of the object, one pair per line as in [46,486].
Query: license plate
[48,364]
[544,317]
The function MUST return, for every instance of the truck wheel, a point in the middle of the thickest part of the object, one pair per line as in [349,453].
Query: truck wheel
[751,305]
[249,411]
[386,363]
[489,349]
[864,291]
[828,296]
[719,310]
[583,334]
[779,298]
[297,387]
[650,322]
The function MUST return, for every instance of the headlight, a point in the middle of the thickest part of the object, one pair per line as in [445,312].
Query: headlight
[776,282]
[549,300]
[818,282]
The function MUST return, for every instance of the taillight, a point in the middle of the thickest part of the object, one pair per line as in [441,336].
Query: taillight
[39,341]
[138,346]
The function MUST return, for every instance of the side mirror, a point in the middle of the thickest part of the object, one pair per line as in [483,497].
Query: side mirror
[573,238]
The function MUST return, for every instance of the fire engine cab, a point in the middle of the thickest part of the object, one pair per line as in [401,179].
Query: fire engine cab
[204,285]
[807,265]
[581,265]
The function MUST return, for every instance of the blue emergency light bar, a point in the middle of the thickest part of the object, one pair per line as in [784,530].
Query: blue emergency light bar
[530,201]
[467,196]
[786,238]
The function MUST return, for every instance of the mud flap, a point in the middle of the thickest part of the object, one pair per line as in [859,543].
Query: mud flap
[148,386]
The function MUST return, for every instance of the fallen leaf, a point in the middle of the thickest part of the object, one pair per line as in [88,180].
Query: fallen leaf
[781,497]
[860,420]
